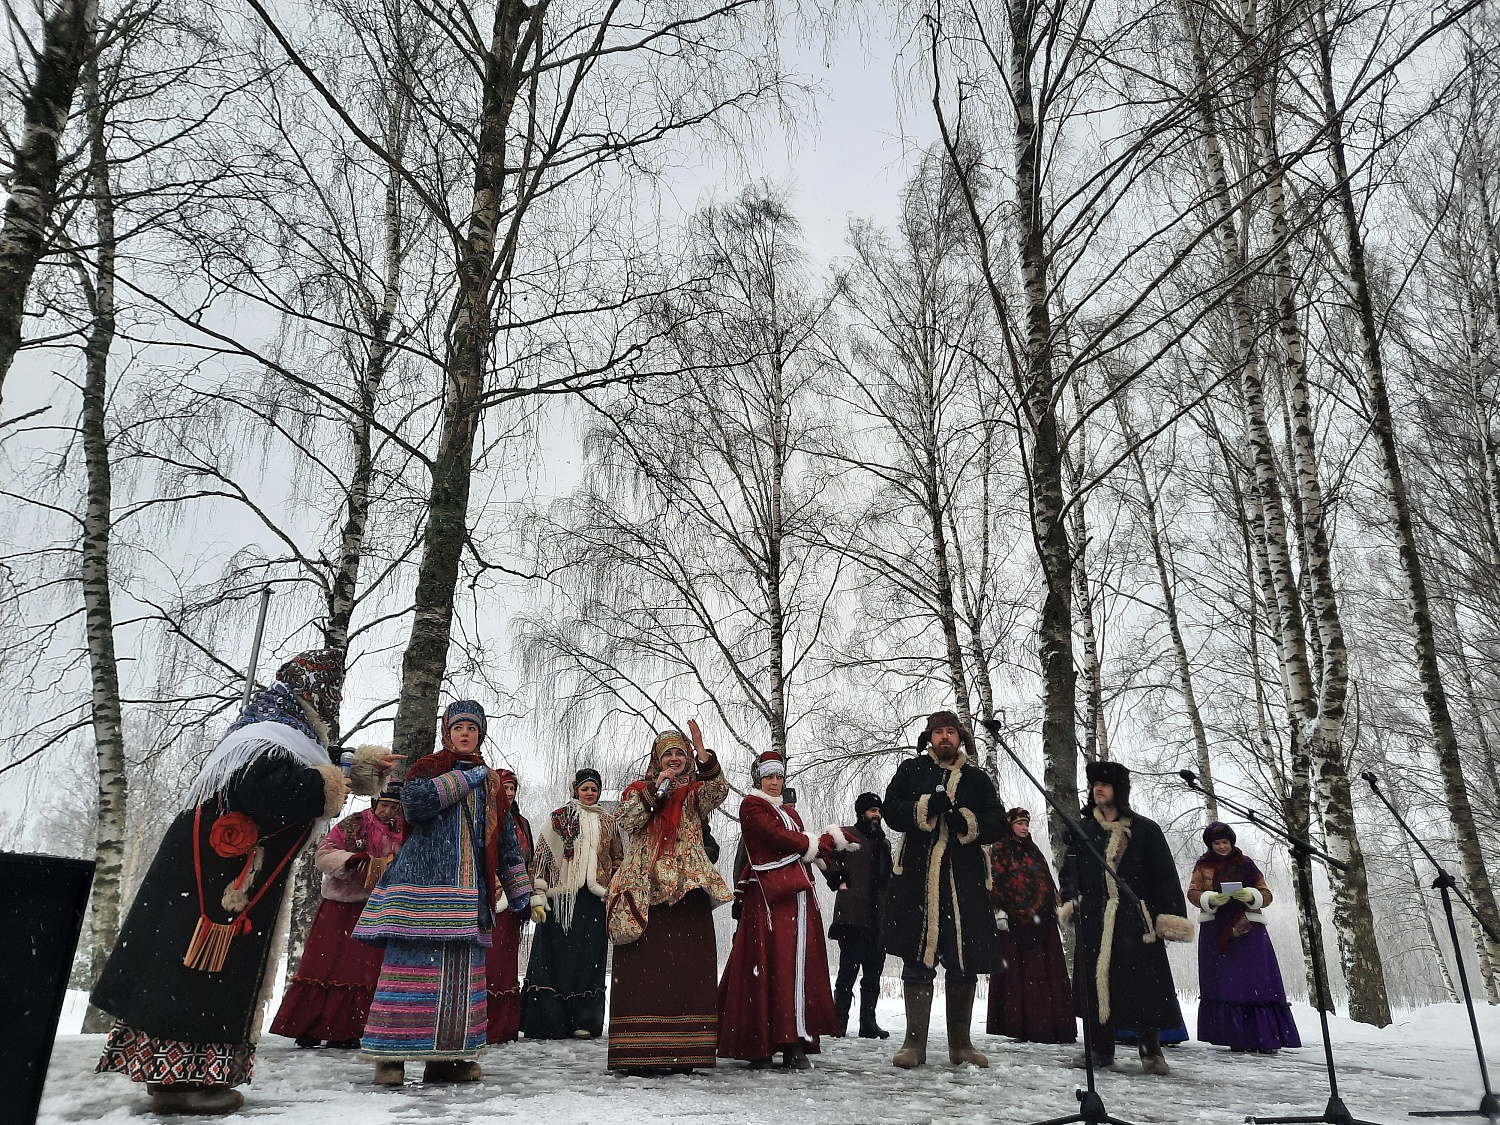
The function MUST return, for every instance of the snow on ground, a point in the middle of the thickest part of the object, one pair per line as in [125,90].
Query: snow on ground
[1424,1061]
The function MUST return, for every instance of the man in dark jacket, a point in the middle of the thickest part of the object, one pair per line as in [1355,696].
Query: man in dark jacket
[1129,983]
[938,907]
[860,878]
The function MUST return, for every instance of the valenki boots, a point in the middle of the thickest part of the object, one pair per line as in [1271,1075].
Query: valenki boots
[868,1028]
[842,1002]
[913,1050]
[193,1099]
[1152,1060]
[961,1050]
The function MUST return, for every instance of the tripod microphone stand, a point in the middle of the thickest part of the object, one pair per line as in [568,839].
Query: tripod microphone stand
[1447,886]
[1091,1109]
[1335,1112]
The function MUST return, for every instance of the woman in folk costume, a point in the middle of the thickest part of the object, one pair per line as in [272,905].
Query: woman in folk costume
[663,1003]
[576,857]
[434,909]
[330,996]
[186,978]
[1242,1002]
[775,995]
[502,960]
[1032,999]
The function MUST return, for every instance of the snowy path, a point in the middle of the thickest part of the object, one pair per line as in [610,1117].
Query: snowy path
[1424,1061]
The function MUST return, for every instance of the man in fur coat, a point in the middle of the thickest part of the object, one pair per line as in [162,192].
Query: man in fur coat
[938,907]
[1129,983]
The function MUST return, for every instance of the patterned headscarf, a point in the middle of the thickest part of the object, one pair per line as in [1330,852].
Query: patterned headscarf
[318,677]
[586,774]
[463,710]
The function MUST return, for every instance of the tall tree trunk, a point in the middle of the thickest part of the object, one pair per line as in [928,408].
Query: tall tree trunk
[343,584]
[470,341]
[1095,734]
[48,100]
[1353,919]
[1398,503]
[105,902]
[1038,392]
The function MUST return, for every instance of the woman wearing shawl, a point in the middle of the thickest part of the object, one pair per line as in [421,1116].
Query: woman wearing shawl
[330,996]
[501,964]
[185,979]
[576,858]
[434,909]
[1032,1000]
[1242,1002]
[663,1003]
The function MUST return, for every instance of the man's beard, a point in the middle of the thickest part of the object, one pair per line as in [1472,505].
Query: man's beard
[873,828]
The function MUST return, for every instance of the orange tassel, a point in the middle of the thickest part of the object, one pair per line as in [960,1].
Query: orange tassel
[210,945]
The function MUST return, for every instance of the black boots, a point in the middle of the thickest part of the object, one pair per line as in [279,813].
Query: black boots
[842,1002]
[868,1028]
[1152,1060]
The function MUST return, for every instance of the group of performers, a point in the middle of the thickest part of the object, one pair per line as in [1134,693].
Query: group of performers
[413,954]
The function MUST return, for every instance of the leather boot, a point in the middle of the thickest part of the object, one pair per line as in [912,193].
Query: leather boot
[795,1058]
[193,1099]
[1152,1060]
[391,1073]
[868,1028]
[913,1050]
[961,1050]
[842,1002]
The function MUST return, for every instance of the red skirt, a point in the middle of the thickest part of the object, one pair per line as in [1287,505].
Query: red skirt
[330,996]
[503,980]
[774,993]
[1033,999]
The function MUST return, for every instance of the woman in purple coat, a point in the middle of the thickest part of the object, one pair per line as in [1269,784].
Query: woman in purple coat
[1242,1003]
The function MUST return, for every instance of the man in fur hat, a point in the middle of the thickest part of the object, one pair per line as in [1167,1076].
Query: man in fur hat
[1120,970]
[860,879]
[938,908]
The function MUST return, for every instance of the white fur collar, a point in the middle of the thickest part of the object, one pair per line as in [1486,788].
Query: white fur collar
[764,796]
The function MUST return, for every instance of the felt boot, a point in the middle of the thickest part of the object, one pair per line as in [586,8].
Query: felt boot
[1152,1060]
[390,1073]
[961,1050]
[842,1002]
[913,1052]
[868,1028]
[795,1058]
[193,1099]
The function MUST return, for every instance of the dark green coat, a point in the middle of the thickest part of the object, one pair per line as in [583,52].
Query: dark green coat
[920,896]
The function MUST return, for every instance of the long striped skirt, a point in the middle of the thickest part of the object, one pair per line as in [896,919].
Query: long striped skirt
[429,1003]
[664,1000]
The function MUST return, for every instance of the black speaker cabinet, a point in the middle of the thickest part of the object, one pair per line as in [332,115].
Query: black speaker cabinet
[42,900]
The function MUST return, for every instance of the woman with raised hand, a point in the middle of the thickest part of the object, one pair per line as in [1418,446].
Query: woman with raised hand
[663,1005]
[576,857]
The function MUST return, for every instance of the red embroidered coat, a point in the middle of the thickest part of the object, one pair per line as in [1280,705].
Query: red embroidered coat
[775,990]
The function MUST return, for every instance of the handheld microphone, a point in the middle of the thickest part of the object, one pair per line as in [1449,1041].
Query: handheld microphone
[661,790]
[346,762]
[1188,776]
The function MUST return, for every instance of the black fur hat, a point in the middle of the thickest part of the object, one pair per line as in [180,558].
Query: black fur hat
[945,719]
[1111,773]
[865,802]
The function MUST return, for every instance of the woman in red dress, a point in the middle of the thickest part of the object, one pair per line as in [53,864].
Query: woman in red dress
[330,996]
[774,995]
[502,961]
[1033,999]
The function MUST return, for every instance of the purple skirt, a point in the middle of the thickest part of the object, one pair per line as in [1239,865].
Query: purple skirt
[1242,1002]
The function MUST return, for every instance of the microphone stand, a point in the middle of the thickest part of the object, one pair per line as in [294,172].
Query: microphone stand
[1091,1109]
[1447,886]
[1335,1112]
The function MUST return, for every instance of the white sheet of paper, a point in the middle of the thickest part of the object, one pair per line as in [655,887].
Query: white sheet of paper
[1230,888]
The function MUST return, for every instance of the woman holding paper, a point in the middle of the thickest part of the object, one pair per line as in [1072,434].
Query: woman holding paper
[1242,1003]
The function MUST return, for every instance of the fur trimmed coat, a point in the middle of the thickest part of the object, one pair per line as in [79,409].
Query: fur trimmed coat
[145,983]
[937,872]
[1132,979]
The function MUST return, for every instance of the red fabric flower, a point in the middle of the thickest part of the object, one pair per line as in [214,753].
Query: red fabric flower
[233,834]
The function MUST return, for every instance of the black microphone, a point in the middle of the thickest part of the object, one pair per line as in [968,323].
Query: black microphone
[991,725]
[1188,776]
[1370,777]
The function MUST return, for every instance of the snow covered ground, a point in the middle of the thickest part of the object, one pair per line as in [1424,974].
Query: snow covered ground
[1425,1060]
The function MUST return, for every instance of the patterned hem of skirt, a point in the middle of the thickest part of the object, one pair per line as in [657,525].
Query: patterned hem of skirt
[549,990]
[148,1058]
[420,1056]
